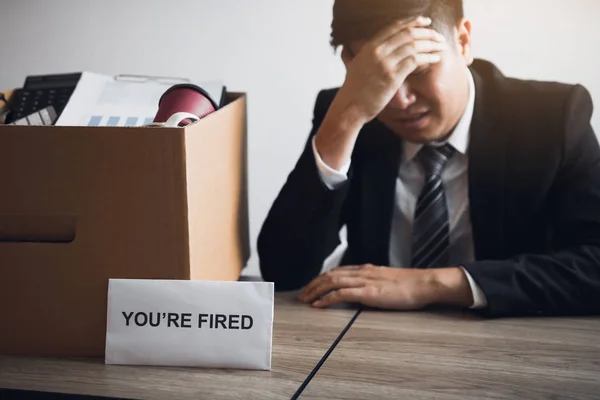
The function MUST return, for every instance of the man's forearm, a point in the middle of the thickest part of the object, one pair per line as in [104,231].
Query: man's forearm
[337,135]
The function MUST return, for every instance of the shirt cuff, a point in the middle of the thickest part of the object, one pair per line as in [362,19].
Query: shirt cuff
[479,299]
[332,178]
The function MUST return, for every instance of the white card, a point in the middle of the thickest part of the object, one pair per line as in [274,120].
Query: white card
[190,323]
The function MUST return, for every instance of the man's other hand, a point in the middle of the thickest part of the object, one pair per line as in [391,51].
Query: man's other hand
[389,288]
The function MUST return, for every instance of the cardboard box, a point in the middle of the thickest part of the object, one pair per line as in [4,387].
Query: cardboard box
[80,205]
[8,94]
[4,104]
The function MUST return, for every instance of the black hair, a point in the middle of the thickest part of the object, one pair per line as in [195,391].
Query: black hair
[361,19]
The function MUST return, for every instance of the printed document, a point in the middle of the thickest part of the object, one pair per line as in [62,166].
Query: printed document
[105,100]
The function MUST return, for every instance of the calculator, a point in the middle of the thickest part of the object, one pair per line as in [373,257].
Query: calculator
[41,91]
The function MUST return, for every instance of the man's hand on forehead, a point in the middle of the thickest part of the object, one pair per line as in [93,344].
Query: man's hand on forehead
[374,75]
[378,67]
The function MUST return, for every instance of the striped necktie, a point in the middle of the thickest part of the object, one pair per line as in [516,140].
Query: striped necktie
[431,227]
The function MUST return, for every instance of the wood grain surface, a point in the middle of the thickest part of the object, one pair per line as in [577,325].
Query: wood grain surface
[301,335]
[445,355]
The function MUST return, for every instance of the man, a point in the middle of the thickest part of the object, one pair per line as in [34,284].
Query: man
[478,190]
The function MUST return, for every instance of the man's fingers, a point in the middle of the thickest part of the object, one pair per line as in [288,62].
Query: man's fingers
[351,271]
[335,283]
[318,281]
[397,26]
[345,295]
[335,272]
[328,285]
[415,48]
[409,64]
[413,35]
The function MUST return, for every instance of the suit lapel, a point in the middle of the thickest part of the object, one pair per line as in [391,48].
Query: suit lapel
[487,156]
[381,161]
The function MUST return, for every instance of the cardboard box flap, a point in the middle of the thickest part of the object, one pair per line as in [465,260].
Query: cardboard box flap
[217,192]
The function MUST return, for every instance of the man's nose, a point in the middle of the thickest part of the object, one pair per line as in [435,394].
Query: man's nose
[403,98]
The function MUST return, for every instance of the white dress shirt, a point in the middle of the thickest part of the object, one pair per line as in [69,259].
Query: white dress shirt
[410,182]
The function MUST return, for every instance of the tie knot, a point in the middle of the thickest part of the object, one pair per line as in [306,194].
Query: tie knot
[434,159]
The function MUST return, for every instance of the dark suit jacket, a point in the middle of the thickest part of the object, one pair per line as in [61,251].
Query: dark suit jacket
[534,191]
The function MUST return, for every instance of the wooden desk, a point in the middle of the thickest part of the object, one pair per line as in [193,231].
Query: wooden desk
[456,356]
[301,336]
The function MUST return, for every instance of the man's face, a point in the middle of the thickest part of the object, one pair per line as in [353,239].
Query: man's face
[432,100]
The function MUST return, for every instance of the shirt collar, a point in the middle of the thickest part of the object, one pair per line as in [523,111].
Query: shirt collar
[459,139]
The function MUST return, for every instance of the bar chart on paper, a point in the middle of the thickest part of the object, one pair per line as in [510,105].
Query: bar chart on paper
[115,120]
[101,101]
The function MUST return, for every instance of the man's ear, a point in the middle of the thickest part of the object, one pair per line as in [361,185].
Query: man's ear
[464,40]
[347,56]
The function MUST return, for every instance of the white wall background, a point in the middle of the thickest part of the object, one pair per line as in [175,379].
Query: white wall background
[275,50]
